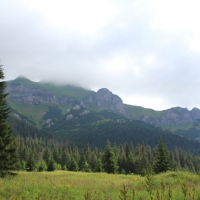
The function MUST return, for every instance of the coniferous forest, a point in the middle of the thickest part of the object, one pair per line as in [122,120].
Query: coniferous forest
[40,151]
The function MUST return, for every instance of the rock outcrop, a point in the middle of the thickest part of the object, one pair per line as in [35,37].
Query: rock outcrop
[173,116]
[70,116]
[85,112]
[21,93]
[105,98]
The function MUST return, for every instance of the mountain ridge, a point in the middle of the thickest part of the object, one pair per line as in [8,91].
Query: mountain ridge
[35,95]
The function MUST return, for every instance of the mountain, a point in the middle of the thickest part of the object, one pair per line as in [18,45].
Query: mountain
[179,120]
[173,116]
[66,108]
[23,92]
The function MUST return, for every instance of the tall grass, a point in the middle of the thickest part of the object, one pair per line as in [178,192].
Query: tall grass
[99,186]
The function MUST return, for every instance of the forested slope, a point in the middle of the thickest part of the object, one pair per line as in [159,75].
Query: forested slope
[97,135]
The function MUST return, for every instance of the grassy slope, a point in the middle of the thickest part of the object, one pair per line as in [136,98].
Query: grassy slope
[176,127]
[74,185]
[69,90]
[137,111]
[36,113]
[57,90]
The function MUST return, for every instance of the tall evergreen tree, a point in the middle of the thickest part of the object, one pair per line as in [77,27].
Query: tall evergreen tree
[51,166]
[47,156]
[99,166]
[31,164]
[73,166]
[8,155]
[109,160]
[162,163]
[42,166]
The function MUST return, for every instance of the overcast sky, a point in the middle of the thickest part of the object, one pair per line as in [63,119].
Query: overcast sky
[145,51]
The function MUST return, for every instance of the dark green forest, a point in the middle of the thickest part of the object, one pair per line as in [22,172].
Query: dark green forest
[134,149]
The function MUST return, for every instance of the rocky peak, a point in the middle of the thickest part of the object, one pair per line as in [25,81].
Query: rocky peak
[195,112]
[104,93]
[174,116]
[107,99]
[177,116]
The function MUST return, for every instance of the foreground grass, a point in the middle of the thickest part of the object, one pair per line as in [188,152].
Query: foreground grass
[79,185]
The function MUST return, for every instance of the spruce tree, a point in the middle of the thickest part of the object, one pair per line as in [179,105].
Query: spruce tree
[109,160]
[51,166]
[8,154]
[73,166]
[99,166]
[162,163]
[47,156]
[31,164]
[42,166]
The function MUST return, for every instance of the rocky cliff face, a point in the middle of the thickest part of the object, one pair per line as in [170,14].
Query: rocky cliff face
[105,98]
[174,116]
[34,96]
[22,93]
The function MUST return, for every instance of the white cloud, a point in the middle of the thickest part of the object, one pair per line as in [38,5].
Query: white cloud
[148,101]
[194,43]
[84,17]
[145,51]
[175,15]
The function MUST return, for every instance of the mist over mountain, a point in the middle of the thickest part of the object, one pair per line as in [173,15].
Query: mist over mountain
[52,106]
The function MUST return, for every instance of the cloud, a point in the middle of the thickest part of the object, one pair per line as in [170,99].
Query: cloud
[147,52]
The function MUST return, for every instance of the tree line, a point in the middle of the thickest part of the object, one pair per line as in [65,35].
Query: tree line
[37,154]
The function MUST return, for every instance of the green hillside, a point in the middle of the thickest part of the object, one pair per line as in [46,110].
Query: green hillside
[138,111]
[56,113]
[57,90]
[35,113]
[188,130]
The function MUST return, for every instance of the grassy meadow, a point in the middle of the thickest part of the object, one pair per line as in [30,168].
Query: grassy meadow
[99,186]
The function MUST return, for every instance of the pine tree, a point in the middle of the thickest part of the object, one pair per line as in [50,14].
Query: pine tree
[47,156]
[31,164]
[8,154]
[65,158]
[109,161]
[162,163]
[99,166]
[51,166]
[57,156]
[42,166]
[73,166]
